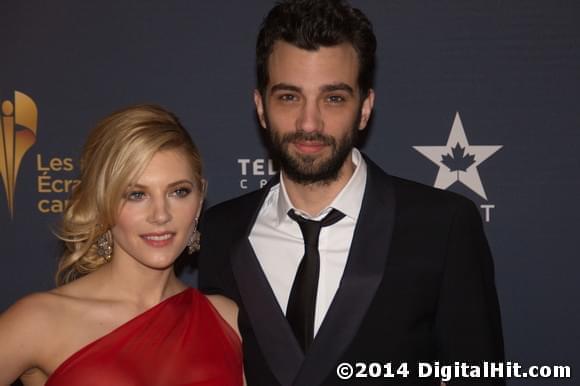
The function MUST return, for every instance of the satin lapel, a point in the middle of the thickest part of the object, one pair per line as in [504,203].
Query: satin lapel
[362,276]
[269,324]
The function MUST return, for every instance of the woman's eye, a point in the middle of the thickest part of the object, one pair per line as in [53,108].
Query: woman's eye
[182,192]
[135,196]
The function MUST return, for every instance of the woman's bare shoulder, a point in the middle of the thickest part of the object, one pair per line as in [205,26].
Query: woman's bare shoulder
[227,309]
[35,316]
[27,333]
[39,315]
[38,307]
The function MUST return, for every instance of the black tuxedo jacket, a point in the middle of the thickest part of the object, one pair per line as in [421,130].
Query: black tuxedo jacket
[418,286]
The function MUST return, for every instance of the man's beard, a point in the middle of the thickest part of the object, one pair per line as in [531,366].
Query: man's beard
[306,169]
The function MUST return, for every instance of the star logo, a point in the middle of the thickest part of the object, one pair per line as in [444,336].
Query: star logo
[458,160]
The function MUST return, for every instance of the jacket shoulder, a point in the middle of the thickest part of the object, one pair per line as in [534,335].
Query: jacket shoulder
[433,205]
[237,206]
[231,218]
[422,191]
[412,194]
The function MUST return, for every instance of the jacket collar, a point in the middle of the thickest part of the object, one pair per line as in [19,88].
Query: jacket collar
[361,278]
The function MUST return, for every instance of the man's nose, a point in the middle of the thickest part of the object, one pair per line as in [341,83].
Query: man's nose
[310,118]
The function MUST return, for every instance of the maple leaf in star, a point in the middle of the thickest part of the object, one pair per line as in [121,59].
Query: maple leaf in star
[459,161]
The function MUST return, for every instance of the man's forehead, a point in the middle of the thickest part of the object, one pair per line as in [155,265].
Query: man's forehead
[283,48]
[326,65]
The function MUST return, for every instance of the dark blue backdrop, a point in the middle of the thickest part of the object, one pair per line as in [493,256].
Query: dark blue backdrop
[510,69]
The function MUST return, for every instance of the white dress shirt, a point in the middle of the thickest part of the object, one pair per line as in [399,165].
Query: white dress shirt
[279,246]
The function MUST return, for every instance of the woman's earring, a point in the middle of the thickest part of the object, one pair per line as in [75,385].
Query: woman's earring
[104,246]
[193,242]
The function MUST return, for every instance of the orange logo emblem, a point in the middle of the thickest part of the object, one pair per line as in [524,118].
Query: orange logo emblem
[17,135]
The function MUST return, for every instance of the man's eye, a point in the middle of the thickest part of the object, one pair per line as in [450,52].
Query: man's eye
[335,99]
[135,196]
[181,192]
[288,98]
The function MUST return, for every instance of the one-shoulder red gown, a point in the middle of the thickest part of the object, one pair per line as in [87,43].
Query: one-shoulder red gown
[181,341]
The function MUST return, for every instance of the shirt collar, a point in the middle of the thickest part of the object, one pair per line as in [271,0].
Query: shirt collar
[348,200]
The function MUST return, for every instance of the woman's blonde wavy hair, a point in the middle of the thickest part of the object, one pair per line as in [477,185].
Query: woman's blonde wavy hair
[115,154]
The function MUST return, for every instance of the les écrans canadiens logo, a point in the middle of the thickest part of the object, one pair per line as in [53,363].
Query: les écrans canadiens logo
[17,135]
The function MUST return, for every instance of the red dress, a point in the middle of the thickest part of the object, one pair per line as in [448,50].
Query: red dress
[181,341]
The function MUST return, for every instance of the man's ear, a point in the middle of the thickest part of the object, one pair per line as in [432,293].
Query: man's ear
[259,102]
[367,109]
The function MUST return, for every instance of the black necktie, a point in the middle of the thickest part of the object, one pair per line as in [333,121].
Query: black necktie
[302,301]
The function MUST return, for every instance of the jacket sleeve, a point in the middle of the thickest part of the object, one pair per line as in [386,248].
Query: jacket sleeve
[468,323]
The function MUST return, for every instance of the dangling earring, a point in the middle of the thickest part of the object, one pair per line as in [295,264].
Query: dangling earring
[104,246]
[193,242]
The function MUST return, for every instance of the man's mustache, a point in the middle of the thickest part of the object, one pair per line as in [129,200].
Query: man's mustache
[308,136]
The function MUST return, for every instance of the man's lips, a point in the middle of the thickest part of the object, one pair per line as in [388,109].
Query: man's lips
[309,146]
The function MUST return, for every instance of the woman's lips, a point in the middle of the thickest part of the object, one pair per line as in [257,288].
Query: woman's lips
[158,239]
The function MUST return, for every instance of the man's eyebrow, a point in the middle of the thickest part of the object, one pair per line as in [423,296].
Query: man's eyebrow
[337,87]
[284,87]
[326,88]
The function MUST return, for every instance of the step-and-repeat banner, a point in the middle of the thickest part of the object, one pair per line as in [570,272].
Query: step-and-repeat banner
[476,96]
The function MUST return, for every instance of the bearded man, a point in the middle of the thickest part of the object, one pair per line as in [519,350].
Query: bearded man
[334,260]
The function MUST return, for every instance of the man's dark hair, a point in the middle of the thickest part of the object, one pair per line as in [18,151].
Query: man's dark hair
[310,24]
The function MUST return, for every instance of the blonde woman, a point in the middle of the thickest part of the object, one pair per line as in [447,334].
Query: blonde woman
[119,315]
